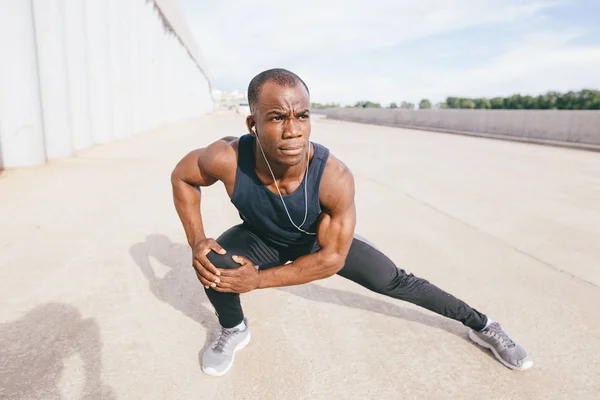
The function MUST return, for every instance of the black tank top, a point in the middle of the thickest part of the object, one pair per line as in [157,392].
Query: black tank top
[262,210]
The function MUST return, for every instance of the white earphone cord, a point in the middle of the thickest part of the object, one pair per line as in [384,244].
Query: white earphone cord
[281,197]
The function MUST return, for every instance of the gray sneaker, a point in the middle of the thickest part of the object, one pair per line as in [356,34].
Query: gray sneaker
[218,358]
[504,348]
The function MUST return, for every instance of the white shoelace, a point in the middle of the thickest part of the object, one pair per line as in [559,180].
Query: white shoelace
[496,331]
[223,339]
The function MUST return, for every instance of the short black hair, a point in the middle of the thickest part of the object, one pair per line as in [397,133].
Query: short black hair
[280,76]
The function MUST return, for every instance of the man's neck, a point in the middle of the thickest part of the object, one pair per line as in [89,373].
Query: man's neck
[283,173]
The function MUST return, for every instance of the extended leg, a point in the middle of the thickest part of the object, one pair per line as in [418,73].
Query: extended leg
[370,268]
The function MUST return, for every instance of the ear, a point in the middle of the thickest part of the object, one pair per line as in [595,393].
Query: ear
[251,125]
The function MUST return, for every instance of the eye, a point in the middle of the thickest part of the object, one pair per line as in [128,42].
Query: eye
[277,118]
[303,116]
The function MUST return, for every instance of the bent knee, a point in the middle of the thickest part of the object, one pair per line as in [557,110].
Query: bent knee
[222,260]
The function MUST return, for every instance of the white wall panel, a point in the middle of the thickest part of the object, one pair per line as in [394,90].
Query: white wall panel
[21,131]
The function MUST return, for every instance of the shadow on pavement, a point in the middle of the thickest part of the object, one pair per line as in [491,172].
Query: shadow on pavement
[33,350]
[311,291]
[179,287]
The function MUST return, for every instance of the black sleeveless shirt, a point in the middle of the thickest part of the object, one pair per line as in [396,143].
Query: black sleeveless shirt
[262,210]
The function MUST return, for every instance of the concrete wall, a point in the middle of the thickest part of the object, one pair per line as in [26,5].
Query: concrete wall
[575,127]
[74,73]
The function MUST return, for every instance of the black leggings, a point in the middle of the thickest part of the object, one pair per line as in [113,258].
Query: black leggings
[364,265]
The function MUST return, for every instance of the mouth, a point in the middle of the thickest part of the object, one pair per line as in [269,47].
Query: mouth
[291,150]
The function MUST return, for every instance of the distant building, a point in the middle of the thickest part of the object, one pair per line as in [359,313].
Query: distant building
[235,101]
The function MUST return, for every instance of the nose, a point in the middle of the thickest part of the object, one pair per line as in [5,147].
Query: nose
[292,129]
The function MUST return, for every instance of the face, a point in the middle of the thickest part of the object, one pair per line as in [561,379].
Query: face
[282,122]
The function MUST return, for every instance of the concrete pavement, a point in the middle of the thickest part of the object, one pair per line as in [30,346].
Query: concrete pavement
[99,300]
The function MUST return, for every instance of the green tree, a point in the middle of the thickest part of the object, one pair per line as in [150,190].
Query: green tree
[424,104]
[483,104]
[319,106]
[529,103]
[595,101]
[367,104]
[588,99]
[497,103]
[553,100]
[513,102]
[453,102]
[547,101]
[466,103]
[567,101]
[542,102]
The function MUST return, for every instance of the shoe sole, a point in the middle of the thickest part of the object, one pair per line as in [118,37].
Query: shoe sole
[526,365]
[240,346]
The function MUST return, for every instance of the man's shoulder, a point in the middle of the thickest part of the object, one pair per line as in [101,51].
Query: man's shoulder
[221,154]
[337,182]
[335,168]
[226,143]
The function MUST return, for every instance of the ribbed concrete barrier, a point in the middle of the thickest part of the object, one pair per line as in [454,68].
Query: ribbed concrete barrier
[578,128]
[74,73]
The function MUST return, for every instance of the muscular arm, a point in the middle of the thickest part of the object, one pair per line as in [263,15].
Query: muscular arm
[201,167]
[334,233]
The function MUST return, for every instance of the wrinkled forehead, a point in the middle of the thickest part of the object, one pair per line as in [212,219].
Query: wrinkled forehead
[273,95]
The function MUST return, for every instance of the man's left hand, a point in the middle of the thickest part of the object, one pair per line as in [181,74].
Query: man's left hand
[238,280]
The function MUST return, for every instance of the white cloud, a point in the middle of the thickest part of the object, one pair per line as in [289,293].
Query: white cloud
[542,62]
[328,44]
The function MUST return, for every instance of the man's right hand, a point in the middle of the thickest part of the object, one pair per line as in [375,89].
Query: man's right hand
[206,272]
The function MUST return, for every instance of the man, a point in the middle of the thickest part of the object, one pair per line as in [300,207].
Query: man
[296,201]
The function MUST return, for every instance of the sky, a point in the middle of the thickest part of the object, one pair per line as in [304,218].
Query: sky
[396,50]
